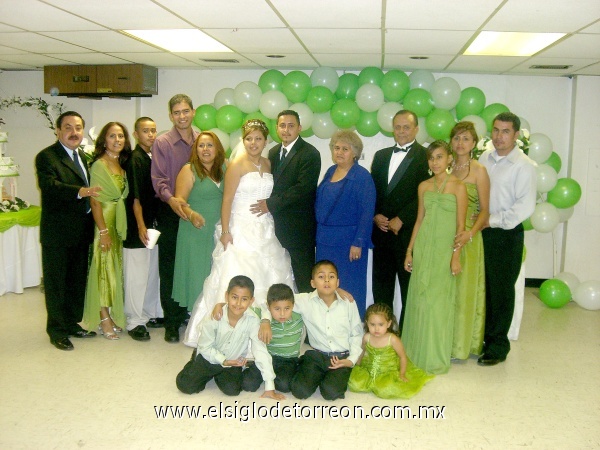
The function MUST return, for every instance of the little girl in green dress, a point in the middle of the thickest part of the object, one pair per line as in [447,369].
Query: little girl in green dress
[383,367]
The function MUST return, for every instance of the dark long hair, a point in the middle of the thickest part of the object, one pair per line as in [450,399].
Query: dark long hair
[101,143]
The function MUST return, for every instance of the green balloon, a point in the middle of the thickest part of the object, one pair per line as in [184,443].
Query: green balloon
[229,118]
[271,80]
[387,133]
[471,102]
[554,161]
[419,101]
[439,124]
[371,75]
[527,224]
[347,86]
[367,124]
[395,85]
[296,86]
[260,116]
[565,194]
[206,117]
[345,113]
[319,99]
[555,293]
[490,112]
[274,135]
[307,133]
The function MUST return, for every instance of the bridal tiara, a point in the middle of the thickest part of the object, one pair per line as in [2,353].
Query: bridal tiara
[255,123]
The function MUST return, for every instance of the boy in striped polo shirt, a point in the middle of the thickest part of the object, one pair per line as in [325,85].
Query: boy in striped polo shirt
[287,328]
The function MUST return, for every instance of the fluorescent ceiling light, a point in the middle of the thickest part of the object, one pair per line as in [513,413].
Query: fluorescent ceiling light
[497,43]
[182,41]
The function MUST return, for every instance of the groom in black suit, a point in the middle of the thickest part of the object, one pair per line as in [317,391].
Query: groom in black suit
[397,172]
[296,166]
[66,229]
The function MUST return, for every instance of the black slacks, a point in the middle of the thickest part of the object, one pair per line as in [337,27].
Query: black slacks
[197,372]
[284,368]
[314,372]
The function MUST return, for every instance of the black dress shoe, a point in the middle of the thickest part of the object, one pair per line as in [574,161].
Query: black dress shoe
[139,333]
[62,343]
[486,360]
[172,335]
[82,334]
[156,322]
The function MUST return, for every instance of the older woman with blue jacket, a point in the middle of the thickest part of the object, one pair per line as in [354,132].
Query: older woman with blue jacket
[344,208]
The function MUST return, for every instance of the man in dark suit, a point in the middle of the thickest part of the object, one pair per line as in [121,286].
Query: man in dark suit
[296,166]
[66,229]
[397,172]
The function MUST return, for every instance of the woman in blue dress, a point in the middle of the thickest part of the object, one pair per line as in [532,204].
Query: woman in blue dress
[344,208]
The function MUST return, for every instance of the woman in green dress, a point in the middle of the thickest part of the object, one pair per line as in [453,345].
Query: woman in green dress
[200,185]
[103,306]
[427,332]
[469,315]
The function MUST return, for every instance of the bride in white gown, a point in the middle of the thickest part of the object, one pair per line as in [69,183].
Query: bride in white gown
[246,243]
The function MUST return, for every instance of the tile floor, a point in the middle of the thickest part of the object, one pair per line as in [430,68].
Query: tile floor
[104,395]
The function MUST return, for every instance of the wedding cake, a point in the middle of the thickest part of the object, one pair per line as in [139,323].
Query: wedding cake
[8,169]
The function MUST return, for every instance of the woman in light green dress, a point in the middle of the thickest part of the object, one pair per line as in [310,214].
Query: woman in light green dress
[103,306]
[469,315]
[429,323]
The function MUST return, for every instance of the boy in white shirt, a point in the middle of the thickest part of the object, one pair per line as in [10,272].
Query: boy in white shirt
[223,344]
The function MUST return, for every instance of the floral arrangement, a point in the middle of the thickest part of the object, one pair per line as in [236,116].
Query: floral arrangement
[486,144]
[43,107]
[13,205]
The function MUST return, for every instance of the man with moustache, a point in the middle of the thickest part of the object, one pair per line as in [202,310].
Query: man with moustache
[140,264]
[66,229]
[170,152]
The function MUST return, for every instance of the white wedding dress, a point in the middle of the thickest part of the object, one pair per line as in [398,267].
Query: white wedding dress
[255,252]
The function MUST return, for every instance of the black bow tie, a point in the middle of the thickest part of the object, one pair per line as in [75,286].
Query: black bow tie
[401,149]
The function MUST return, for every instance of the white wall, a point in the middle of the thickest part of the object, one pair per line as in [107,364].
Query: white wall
[544,101]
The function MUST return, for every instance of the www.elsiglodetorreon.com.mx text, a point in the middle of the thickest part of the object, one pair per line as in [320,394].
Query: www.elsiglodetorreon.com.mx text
[245,413]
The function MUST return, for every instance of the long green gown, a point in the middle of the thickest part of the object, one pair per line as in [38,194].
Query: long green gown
[429,323]
[105,279]
[195,246]
[379,372]
[469,315]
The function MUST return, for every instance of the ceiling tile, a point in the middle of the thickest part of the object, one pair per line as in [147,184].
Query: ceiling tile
[420,42]
[485,64]
[354,61]
[577,46]
[158,59]
[591,70]
[576,63]
[341,40]
[33,15]
[594,28]
[102,41]
[225,14]
[199,57]
[330,14]
[9,65]
[88,58]
[291,61]
[10,50]
[544,16]
[403,62]
[268,41]
[37,43]
[37,61]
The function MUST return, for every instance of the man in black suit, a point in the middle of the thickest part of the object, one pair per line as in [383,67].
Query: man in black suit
[66,229]
[397,172]
[296,166]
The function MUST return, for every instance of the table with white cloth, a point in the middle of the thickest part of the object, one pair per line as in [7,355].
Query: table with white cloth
[20,250]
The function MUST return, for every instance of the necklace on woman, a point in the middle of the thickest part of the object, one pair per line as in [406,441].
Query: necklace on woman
[109,153]
[440,189]
[258,166]
[460,166]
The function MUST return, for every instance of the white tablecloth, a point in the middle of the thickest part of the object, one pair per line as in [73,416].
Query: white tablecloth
[20,259]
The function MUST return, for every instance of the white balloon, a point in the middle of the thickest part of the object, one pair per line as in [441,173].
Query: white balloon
[524,123]
[305,113]
[369,97]
[247,96]
[272,103]
[570,280]
[386,114]
[545,217]
[224,97]
[422,136]
[323,125]
[420,78]
[235,138]
[325,76]
[445,93]
[540,147]
[587,295]
[223,137]
[565,214]
[479,123]
[546,178]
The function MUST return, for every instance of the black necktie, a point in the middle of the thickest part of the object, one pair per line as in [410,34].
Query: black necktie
[78,167]
[284,152]
[401,149]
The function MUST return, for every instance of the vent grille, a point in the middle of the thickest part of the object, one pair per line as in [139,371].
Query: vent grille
[231,61]
[551,66]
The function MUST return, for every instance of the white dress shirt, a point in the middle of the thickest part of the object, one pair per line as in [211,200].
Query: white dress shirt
[513,187]
[219,342]
[396,160]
